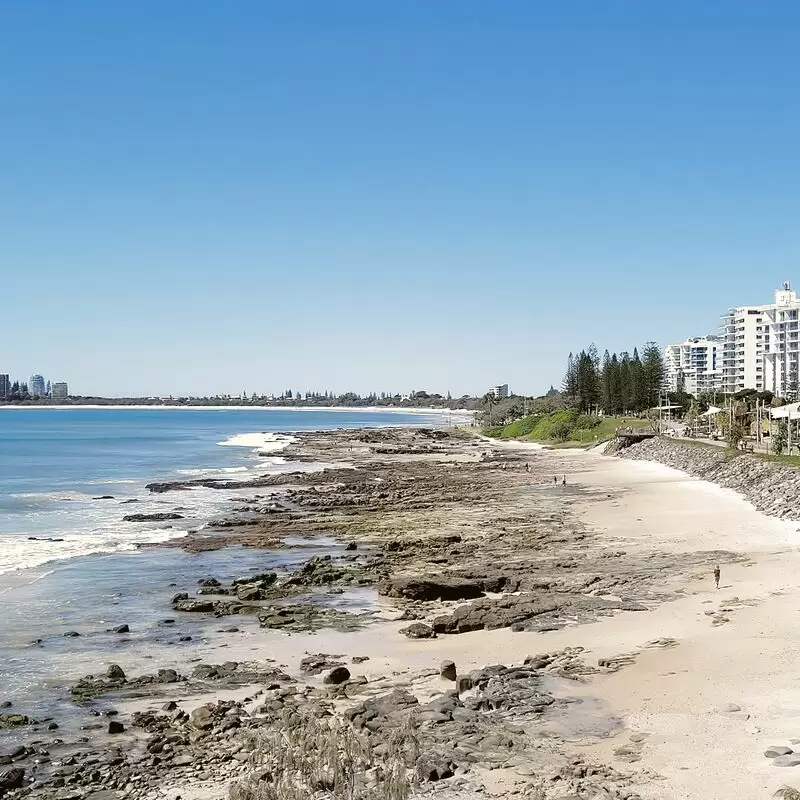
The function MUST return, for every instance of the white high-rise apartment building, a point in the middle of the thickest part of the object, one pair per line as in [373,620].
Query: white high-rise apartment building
[36,386]
[761,348]
[694,365]
[781,347]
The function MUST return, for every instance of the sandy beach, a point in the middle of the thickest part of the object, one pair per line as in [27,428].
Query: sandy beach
[640,679]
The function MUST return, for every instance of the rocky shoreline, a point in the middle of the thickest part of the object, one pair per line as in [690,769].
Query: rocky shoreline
[448,534]
[771,487]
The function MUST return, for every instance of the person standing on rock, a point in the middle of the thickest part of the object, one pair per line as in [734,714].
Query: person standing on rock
[716,576]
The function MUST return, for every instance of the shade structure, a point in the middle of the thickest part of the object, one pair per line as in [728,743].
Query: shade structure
[789,411]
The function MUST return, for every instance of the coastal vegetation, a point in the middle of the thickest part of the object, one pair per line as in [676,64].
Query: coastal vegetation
[19,395]
[566,426]
[598,396]
[305,756]
[616,384]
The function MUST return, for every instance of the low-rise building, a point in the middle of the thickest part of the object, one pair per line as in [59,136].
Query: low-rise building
[5,387]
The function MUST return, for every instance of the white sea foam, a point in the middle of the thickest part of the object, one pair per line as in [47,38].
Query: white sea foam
[213,472]
[19,553]
[263,442]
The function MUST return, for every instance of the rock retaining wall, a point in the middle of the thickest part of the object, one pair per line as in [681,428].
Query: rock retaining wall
[772,488]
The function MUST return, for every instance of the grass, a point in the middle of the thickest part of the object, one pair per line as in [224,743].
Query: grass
[602,432]
[565,428]
[306,757]
[789,461]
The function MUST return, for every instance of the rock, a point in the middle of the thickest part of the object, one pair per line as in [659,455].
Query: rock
[315,664]
[202,718]
[178,597]
[447,670]
[10,721]
[195,606]
[434,767]
[71,634]
[419,630]
[183,760]
[359,659]
[115,673]
[778,750]
[171,705]
[787,761]
[167,676]
[122,629]
[351,546]
[115,727]
[6,704]
[414,588]
[262,579]
[463,684]
[337,675]
[248,592]
[503,613]
[185,639]
[729,708]
[159,517]
[11,779]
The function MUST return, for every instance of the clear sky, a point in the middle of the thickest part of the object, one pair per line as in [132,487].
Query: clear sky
[201,196]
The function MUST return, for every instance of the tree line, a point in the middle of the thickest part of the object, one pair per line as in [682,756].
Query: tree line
[615,384]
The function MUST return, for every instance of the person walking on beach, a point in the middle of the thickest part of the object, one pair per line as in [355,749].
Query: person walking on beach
[716,576]
[555,480]
[564,481]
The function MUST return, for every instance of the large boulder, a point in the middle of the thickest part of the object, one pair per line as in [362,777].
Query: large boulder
[10,721]
[417,588]
[160,517]
[448,670]
[195,606]
[489,614]
[419,630]
[434,767]
[11,779]
[115,673]
[248,592]
[202,718]
[337,675]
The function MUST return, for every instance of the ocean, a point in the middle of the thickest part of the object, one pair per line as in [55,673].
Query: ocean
[68,562]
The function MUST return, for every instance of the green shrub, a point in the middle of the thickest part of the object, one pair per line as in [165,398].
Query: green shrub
[560,431]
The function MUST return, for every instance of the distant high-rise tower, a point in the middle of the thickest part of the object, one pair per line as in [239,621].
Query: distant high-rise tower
[59,390]
[36,386]
[5,387]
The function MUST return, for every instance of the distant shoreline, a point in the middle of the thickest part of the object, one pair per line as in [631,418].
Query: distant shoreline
[144,407]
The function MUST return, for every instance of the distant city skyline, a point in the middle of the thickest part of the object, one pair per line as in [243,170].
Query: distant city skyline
[365,197]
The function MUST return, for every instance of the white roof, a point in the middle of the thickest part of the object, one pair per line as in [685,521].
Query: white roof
[711,411]
[792,411]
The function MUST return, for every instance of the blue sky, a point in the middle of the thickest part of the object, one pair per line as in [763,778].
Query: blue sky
[199,196]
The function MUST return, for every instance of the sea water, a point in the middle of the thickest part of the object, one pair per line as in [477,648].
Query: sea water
[68,561]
